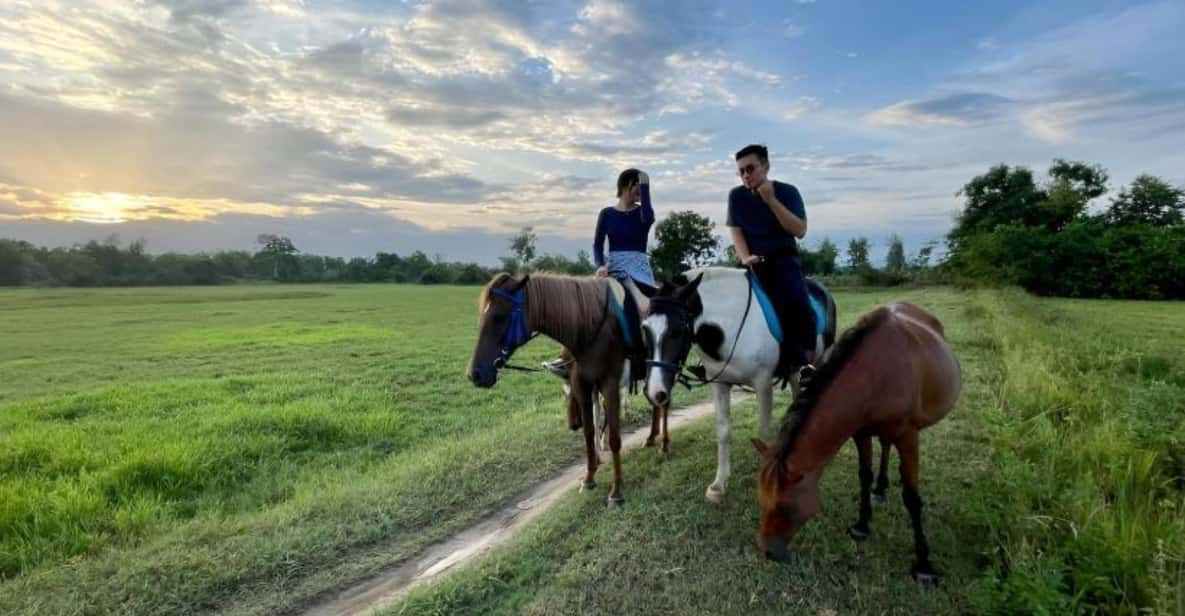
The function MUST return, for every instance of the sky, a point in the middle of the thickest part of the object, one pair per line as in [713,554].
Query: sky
[446,126]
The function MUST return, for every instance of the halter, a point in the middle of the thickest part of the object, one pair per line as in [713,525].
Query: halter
[674,308]
[517,334]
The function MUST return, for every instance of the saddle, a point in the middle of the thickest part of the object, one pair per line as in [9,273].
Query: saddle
[815,294]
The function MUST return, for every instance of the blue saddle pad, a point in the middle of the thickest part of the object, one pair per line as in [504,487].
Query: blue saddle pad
[771,315]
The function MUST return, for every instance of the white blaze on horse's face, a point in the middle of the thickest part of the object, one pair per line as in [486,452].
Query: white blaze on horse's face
[656,388]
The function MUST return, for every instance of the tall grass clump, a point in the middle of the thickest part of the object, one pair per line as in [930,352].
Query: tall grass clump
[1091,508]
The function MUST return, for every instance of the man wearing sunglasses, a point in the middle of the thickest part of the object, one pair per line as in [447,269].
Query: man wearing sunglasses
[766,218]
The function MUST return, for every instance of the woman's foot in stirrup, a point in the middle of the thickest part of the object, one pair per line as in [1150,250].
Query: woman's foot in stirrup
[558,367]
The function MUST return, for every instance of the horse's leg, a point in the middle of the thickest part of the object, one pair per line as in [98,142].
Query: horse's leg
[583,394]
[666,433]
[612,392]
[625,404]
[716,490]
[598,406]
[655,417]
[574,417]
[907,448]
[860,531]
[882,479]
[765,406]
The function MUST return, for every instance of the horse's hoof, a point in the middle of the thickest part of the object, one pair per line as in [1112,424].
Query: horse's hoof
[615,502]
[926,576]
[649,442]
[587,485]
[714,495]
[858,535]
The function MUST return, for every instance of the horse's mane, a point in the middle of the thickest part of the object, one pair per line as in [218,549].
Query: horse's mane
[813,389]
[574,307]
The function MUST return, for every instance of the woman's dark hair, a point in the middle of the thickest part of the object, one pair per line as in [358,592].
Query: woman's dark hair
[628,178]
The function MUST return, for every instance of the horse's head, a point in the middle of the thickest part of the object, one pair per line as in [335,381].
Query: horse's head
[669,331]
[502,327]
[788,499]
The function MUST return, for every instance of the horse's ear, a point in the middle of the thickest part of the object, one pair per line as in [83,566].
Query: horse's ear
[687,290]
[761,447]
[522,282]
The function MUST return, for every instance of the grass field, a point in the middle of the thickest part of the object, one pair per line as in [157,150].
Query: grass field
[242,449]
[1055,487]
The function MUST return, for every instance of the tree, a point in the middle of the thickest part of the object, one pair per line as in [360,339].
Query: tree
[685,240]
[1149,201]
[1087,181]
[279,248]
[895,260]
[1002,196]
[729,257]
[858,255]
[12,263]
[522,246]
[826,255]
[921,260]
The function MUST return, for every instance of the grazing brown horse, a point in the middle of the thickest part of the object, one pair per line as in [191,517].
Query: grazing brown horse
[890,376]
[579,313]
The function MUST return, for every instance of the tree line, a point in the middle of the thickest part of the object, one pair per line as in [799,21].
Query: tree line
[1012,230]
[684,240]
[1043,236]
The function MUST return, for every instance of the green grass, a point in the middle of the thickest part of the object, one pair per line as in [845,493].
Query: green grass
[1055,487]
[244,448]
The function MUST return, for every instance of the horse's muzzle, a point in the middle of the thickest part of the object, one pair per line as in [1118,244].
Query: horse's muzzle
[775,549]
[484,379]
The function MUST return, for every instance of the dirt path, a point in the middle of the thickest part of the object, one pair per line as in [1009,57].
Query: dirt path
[496,529]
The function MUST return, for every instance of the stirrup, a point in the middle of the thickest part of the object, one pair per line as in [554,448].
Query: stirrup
[558,367]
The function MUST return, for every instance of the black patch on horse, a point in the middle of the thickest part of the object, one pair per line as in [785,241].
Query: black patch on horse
[710,339]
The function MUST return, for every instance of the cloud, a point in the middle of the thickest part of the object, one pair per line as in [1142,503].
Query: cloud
[801,107]
[1101,76]
[958,109]
[607,16]
[198,153]
[344,232]
[452,117]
